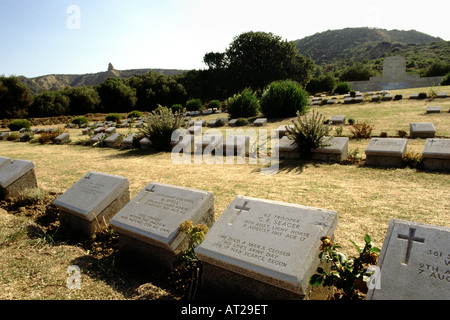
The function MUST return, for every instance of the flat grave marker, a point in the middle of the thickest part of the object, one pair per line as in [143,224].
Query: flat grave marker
[89,204]
[263,249]
[422,130]
[434,109]
[340,119]
[414,263]
[149,224]
[386,151]
[436,154]
[335,150]
[15,177]
[113,140]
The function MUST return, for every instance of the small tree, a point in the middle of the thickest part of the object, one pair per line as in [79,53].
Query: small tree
[243,105]
[308,133]
[342,88]
[194,105]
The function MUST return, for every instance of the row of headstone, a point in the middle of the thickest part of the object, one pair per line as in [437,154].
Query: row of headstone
[390,151]
[438,95]
[15,177]
[434,109]
[257,249]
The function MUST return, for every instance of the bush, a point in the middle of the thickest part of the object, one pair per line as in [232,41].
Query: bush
[16,125]
[361,130]
[342,88]
[177,107]
[422,95]
[308,133]
[446,80]
[284,99]
[351,121]
[134,114]
[215,104]
[398,97]
[114,117]
[80,121]
[220,122]
[241,122]
[194,105]
[243,105]
[159,127]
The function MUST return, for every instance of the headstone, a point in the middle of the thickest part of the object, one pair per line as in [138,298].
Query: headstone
[232,122]
[422,130]
[4,135]
[62,138]
[123,124]
[128,142]
[442,94]
[196,129]
[145,143]
[386,151]
[236,145]
[212,123]
[87,207]
[97,138]
[436,154]
[287,148]
[15,177]
[375,98]
[414,96]
[183,141]
[99,130]
[262,249]
[149,224]
[85,131]
[260,122]
[110,130]
[282,130]
[337,119]
[208,143]
[414,263]
[335,150]
[4,161]
[113,140]
[433,109]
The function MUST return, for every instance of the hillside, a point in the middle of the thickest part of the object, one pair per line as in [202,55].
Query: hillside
[60,81]
[336,49]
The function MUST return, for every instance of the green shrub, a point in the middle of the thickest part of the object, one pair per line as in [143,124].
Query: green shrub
[284,99]
[16,125]
[446,80]
[243,105]
[412,160]
[308,133]
[134,114]
[220,122]
[114,117]
[160,125]
[361,130]
[26,136]
[342,88]
[80,121]
[398,97]
[215,104]
[351,121]
[241,122]
[194,105]
[177,107]
[423,95]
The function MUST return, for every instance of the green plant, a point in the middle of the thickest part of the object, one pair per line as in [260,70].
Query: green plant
[160,125]
[114,117]
[342,88]
[243,105]
[31,196]
[241,122]
[79,121]
[26,136]
[347,275]
[361,130]
[383,134]
[339,130]
[284,99]
[17,124]
[220,122]
[192,264]
[308,133]
[351,121]
[134,114]
[194,105]
[402,133]
[177,107]
[215,104]
[446,80]
[398,97]
[422,95]
[412,160]
[353,157]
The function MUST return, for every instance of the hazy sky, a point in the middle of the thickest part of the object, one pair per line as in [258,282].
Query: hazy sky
[40,37]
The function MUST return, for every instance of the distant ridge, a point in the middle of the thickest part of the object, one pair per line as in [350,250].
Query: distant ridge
[54,82]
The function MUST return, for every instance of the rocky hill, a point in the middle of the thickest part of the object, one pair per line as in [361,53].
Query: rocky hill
[55,82]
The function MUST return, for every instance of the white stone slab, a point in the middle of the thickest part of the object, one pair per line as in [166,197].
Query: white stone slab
[335,149]
[113,140]
[129,141]
[272,242]
[110,130]
[13,170]
[386,147]
[4,161]
[434,109]
[340,119]
[422,130]
[92,194]
[282,130]
[414,263]
[437,148]
[154,215]
[260,122]
[63,137]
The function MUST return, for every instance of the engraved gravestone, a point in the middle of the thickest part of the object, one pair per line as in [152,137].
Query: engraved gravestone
[263,249]
[386,151]
[414,263]
[149,224]
[15,177]
[433,109]
[335,149]
[89,204]
[436,154]
[422,130]
[287,148]
[338,119]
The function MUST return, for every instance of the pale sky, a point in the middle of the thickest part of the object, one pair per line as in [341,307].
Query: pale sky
[40,37]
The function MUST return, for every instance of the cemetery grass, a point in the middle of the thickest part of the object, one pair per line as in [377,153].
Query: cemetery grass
[34,256]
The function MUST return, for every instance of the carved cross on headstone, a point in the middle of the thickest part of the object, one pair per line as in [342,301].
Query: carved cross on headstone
[88,176]
[411,238]
[152,189]
[240,208]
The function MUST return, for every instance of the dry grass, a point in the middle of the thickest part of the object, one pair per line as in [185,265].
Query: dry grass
[365,198]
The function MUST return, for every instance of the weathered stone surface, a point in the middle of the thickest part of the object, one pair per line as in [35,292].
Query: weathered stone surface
[335,150]
[15,177]
[436,154]
[422,130]
[386,151]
